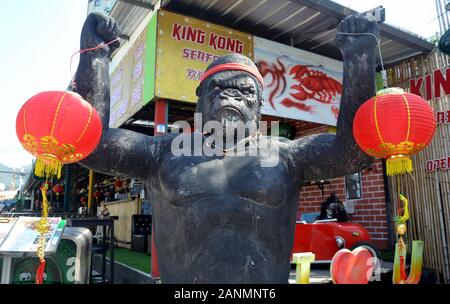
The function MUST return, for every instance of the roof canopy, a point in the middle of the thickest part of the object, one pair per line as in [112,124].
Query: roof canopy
[306,24]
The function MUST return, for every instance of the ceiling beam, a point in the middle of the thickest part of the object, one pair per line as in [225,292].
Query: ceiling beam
[333,9]
[148,6]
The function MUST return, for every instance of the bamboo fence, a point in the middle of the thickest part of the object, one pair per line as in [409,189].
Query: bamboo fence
[427,192]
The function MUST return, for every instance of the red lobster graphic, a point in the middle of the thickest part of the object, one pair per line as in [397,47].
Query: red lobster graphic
[278,79]
[311,84]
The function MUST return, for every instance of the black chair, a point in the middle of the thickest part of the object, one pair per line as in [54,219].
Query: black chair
[141,229]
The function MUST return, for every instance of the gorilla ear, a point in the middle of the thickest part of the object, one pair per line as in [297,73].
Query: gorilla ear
[198,91]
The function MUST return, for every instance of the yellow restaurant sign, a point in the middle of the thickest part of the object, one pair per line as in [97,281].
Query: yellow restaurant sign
[185,48]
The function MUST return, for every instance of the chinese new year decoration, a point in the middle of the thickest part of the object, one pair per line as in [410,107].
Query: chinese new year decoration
[57,127]
[393,125]
[118,184]
[399,269]
[58,189]
[97,195]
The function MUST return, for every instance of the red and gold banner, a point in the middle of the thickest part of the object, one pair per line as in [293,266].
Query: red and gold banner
[185,48]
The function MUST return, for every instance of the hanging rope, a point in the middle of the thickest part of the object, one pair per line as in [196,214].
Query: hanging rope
[102,45]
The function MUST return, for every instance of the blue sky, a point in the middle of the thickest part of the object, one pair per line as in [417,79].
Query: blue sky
[417,16]
[39,37]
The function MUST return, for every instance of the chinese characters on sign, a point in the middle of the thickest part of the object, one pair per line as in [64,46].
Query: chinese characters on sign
[127,81]
[185,48]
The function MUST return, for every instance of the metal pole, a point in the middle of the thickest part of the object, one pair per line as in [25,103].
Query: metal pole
[438,13]
[6,269]
[67,189]
[161,121]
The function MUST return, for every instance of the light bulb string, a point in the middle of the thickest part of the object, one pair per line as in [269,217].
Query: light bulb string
[101,45]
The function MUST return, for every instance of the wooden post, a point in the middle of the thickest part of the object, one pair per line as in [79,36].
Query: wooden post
[67,187]
[91,186]
[161,121]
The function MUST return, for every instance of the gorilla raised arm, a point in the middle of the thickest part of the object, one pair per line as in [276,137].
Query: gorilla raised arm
[120,152]
[330,155]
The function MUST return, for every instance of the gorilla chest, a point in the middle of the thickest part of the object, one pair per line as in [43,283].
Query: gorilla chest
[188,179]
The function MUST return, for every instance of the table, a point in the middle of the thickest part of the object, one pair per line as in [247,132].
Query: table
[104,222]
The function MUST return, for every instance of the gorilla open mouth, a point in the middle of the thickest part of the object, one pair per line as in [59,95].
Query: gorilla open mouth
[229,115]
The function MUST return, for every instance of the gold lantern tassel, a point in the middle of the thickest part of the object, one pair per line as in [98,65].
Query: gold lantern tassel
[47,166]
[398,164]
[43,228]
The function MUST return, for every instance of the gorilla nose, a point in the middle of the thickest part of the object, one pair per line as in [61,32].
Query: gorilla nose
[231,94]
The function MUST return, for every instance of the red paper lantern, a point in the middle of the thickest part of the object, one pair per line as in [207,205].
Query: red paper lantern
[97,194]
[57,127]
[58,189]
[393,125]
[83,199]
[118,183]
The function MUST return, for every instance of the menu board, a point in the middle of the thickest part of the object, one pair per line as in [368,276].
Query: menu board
[19,235]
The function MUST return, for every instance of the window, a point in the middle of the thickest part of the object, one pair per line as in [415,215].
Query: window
[353,186]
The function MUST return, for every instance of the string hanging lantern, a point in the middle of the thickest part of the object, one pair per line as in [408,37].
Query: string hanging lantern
[57,127]
[393,125]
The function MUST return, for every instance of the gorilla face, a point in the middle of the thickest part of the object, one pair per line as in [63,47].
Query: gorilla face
[231,97]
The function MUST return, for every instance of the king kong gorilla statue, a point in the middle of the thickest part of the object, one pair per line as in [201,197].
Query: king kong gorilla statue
[223,219]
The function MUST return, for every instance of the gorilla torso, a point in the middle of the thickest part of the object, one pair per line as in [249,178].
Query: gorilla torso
[197,241]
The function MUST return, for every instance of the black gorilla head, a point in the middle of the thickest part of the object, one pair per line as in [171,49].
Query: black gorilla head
[333,208]
[231,95]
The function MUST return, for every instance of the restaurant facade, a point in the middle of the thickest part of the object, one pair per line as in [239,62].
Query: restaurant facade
[167,45]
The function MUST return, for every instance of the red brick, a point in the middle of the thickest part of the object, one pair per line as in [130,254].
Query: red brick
[378,183]
[381,229]
[369,218]
[378,224]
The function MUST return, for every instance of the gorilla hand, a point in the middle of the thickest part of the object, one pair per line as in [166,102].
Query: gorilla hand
[352,34]
[97,29]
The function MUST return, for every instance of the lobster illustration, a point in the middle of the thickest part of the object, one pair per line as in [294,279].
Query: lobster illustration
[276,70]
[310,84]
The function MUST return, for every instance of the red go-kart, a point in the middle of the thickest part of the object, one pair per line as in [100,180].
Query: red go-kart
[325,237]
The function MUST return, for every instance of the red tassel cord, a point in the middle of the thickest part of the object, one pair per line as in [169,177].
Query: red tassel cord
[40,272]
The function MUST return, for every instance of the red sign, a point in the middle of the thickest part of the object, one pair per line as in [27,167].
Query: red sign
[432,84]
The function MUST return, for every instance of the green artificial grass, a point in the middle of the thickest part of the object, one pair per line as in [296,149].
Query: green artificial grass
[138,260]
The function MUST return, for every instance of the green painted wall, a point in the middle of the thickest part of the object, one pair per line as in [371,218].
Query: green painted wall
[150,61]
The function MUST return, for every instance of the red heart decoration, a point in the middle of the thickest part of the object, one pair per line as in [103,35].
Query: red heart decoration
[351,267]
